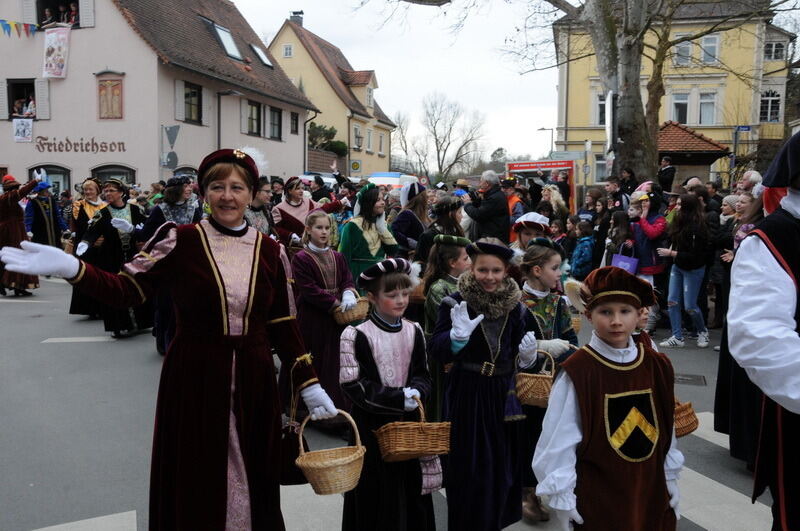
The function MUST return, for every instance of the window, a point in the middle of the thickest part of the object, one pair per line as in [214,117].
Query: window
[599,168]
[20,93]
[226,38]
[380,143]
[774,51]
[770,106]
[710,47]
[262,55]
[45,12]
[707,108]
[369,139]
[287,50]
[275,123]
[680,107]
[253,118]
[192,102]
[294,123]
[369,96]
[359,140]
[683,53]
[123,173]
[601,109]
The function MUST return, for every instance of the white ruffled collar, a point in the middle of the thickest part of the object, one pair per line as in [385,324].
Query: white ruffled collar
[317,249]
[617,355]
[535,292]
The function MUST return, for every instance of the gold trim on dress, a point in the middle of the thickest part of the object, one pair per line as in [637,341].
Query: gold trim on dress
[607,363]
[138,287]
[217,278]
[147,255]
[252,291]
[280,319]
[307,383]
[81,271]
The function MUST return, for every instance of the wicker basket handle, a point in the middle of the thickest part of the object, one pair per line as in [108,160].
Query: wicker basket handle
[552,363]
[345,414]
[420,408]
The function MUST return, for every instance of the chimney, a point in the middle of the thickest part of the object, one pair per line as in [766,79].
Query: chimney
[296,17]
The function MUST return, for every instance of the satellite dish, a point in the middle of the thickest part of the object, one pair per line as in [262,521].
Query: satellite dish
[172,160]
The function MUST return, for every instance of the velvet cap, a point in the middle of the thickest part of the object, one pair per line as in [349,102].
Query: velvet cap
[9,182]
[447,239]
[444,208]
[532,220]
[42,186]
[785,166]
[500,251]
[508,182]
[384,267]
[613,284]
[409,192]
[235,156]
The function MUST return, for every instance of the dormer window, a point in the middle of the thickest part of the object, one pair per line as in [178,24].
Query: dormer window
[261,55]
[225,38]
[773,51]
[369,96]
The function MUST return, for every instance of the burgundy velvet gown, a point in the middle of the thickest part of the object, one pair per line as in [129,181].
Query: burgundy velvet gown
[12,232]
[216,445]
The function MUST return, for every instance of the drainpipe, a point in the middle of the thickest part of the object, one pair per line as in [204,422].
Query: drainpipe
[349,132]
[305,141]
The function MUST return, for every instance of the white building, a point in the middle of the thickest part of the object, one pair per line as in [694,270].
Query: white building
[135,70]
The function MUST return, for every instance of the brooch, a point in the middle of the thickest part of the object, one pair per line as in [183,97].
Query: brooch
[239,154]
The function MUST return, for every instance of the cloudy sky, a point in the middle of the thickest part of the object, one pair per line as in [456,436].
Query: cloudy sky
[415,53]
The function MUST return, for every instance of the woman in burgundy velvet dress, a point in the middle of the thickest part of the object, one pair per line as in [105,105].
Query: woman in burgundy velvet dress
[216,453]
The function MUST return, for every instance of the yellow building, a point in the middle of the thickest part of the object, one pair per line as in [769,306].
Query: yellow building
[346,97]
[714,84]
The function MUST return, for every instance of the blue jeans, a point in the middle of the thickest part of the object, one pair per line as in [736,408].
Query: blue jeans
[683,289]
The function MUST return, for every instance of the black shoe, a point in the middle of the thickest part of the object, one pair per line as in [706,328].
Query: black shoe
[3,291]
[22,293]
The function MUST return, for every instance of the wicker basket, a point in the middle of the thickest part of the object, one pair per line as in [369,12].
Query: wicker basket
[534,389]
[358,313]
[401,441]
[335,470]
[577,322]
[417,295]
[686,420]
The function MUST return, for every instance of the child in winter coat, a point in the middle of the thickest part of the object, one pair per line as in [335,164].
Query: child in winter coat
[582,255]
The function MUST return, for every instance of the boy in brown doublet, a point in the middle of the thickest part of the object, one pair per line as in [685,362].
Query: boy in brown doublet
[607,456]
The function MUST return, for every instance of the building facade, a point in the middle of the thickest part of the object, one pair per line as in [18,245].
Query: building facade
[720,82]
[346,97]
[150,89]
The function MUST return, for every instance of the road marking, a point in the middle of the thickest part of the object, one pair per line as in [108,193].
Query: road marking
[113,522]
[86,339]
[6,299]
[53,280]
[706,430]
[714,506]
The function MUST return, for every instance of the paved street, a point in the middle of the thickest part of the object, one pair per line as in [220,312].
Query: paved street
[77,419]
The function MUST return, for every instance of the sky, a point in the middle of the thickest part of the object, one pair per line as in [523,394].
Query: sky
[415,52]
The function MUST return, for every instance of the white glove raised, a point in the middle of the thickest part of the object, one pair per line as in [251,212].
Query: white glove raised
[81,248]
[555,347]
[37,259]
[319,404]
[564,517]
[122,225]
[295,238]
[345,202]
[348,301]
[410,403]
[380,224]
[527,350]
[463,326]
[674,497]
[30,235]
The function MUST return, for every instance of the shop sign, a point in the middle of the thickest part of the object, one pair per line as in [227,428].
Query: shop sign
[44,144]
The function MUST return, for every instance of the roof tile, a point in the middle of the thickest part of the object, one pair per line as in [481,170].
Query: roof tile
[674,137]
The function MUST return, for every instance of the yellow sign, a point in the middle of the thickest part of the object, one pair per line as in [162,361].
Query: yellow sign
[355,166]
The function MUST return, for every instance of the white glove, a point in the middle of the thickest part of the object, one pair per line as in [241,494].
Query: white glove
[122,225]
[82,248]
[37,259]
[348,301]
[30,234]
[527,350]
[563,518]
[295,239]
[140,226]
[410,404]
[318,402]
[463,326]
[555,347]
[674,497]
[345,202]
[380,224]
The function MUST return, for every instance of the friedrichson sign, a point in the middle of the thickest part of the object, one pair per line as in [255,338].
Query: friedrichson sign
[45,145]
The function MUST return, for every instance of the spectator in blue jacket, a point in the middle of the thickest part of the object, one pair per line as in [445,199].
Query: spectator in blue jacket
[581,264]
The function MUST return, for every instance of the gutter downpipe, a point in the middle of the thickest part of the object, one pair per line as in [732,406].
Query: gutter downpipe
[566,96]
[349,132]
[305,141]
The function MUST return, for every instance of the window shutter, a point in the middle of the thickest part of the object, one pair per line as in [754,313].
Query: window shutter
[207,106]
[180,109]
[42,89]
[243,111]
[29,12]
[86,10]
[3,100]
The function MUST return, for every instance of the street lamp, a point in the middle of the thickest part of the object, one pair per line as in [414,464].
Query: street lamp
[552,146]
[229,92]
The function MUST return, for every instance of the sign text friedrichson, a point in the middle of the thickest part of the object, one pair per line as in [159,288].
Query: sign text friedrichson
[68,145]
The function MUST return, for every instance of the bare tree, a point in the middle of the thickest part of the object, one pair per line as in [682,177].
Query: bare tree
[452,132]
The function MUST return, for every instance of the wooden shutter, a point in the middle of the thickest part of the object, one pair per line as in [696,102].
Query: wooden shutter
[244,112]
[180,101]
[86,12]
[208,109]
[3,100]
[42,89]
[29,12]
